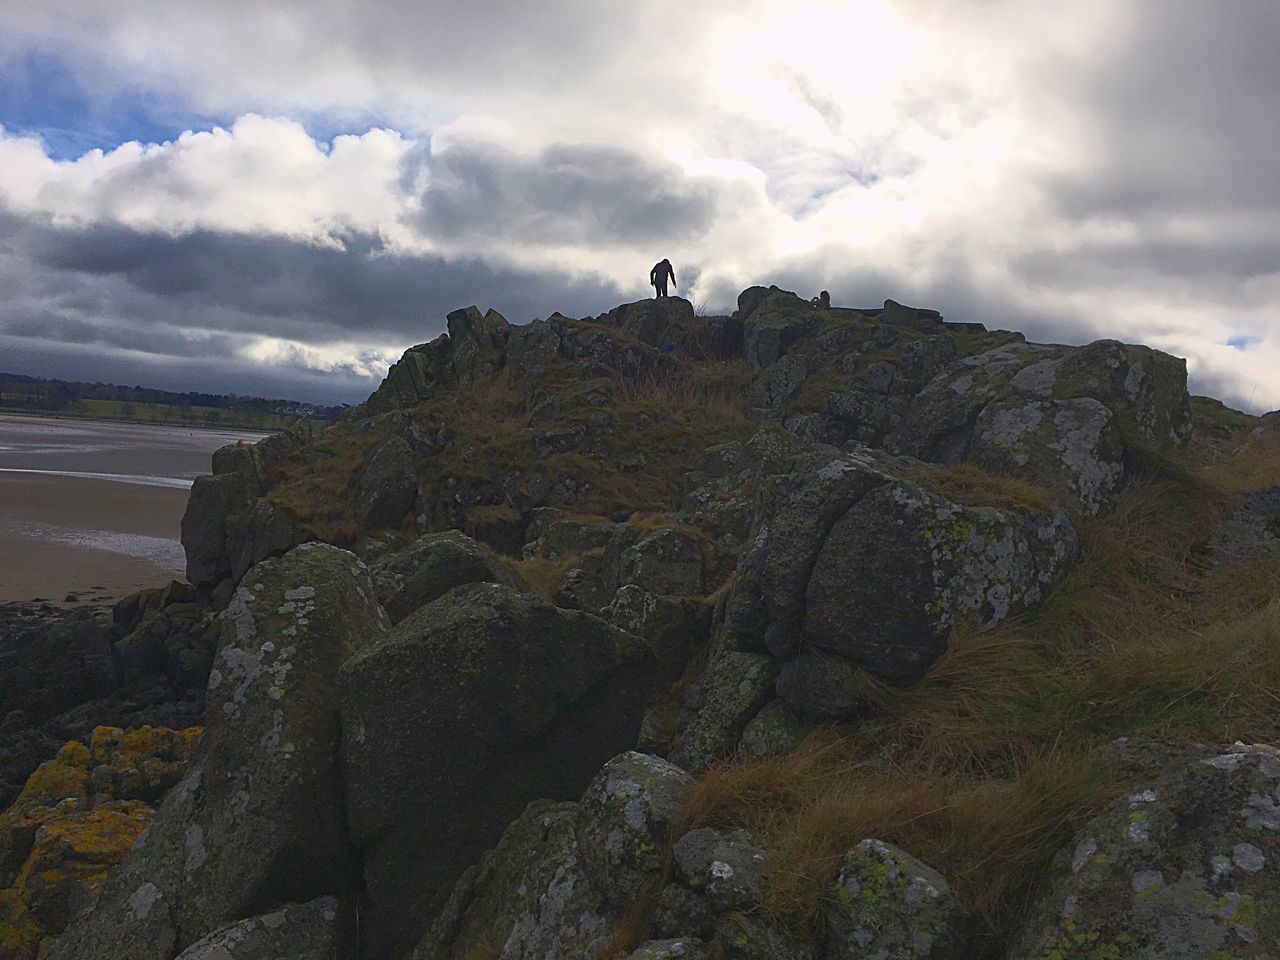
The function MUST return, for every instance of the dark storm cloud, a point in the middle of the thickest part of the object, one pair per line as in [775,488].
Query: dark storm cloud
[202,297]
[565,194]
[284,288]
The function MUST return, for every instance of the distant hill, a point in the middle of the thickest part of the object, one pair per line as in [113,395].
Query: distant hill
[146,404]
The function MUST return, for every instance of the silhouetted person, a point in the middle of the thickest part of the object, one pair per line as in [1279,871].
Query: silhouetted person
[659,274]
[822,300]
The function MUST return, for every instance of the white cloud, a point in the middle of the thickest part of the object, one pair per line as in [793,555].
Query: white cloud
[1097,169]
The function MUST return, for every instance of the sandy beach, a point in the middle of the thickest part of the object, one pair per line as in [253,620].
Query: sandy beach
[94,509]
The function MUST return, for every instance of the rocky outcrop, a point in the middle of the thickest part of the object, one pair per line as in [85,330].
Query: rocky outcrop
[1186,865]
[228,526]
[65,672]
[77,817]
[481,701]
[373,733]
[433,565]
[851,567]
[257,822]
[1060,416]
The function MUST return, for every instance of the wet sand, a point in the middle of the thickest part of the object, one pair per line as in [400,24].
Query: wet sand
[95,509]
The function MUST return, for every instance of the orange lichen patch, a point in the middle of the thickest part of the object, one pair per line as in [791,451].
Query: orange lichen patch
[77,817]
[20,935]
[131,747]
[55,780]
[65,870]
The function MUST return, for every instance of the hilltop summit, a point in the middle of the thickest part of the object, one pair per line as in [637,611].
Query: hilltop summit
[806,632]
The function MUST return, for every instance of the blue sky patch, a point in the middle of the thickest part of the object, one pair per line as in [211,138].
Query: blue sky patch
[1243,342]
[75,111]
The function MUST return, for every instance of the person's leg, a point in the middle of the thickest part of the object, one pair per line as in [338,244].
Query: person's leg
[662,287]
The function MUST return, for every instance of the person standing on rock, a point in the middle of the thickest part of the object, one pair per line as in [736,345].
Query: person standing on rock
[659,274]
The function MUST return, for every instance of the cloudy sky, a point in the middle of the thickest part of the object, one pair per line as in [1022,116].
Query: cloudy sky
[278,198]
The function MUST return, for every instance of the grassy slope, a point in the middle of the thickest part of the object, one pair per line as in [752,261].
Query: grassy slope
[987,767]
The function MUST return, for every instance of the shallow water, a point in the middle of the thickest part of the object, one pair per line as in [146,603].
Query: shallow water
[94,508]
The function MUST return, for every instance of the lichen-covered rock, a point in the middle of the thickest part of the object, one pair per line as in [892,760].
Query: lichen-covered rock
[903,566]
[803,488]
[1187,865]
[494,895]
[719,705]
[941,418]
[654,321]
[773,732]
[773,320]
[473,706]
[625,818]
[888,904]
[1072,446]
[227,527]
[780,382]
[727,867]
[433,565]
[742,937]
[257,821]
[679,948]
[564,875]
[672,626]
[477,344]
[569,919]
[388,485]
[553,535]
[79,815]
[421,373]
[323,929]
[666,561]
[1253,528]
[1033,388]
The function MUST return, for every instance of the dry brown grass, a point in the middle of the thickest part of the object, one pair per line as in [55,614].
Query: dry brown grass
[316,485]
[544,576]
[969,483]
[984,769]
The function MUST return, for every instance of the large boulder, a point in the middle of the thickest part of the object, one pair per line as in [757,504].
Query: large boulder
[903,566]
[387,486]
[258,821]
[850,566]
[323,929]
[1252,528]
[478,344]
[1185,865]
[719,705]
[433,565]
[1056,415]
[564,875]
[423,372]
[491,897]
[473,706]
[773,320]
[654,321]
[1075,447]
[886,903]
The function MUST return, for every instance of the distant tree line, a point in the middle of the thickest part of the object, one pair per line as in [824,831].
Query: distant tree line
[39,393]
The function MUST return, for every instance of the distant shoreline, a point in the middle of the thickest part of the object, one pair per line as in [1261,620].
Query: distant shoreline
[91,418]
